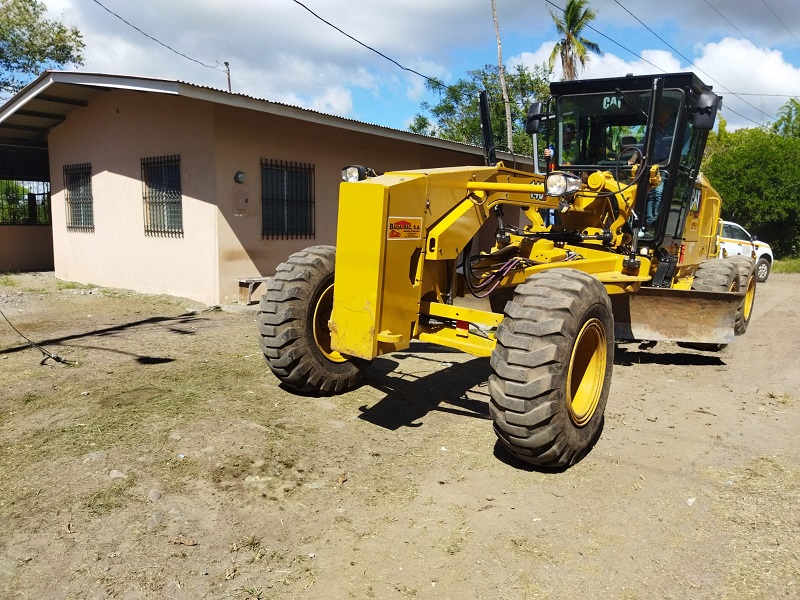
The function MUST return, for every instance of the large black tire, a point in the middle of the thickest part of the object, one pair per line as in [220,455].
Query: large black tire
[715,275]
[551,367]
[763,267]
[746,267]
[293,323]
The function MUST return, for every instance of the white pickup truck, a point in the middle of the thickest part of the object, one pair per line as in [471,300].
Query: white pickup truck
[734,239]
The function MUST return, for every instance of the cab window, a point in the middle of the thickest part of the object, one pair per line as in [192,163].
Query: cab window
[729,230]
[603,130]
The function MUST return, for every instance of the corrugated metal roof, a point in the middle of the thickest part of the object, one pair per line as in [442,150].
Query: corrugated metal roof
[26,118]
[300,108]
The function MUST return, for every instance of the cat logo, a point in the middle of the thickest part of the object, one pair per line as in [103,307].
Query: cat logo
[405,228]
[612,101]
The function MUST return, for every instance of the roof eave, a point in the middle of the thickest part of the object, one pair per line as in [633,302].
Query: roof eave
[189,90]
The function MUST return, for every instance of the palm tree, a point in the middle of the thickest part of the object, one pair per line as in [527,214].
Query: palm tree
[572,48]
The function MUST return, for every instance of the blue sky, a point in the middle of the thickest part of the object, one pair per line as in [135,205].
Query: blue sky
[278,50]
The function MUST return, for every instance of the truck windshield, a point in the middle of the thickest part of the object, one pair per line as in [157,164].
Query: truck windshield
[600,130]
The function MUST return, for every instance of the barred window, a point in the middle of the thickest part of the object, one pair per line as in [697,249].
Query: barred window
[161,192]
[287,199]
[24,202]
[78,195]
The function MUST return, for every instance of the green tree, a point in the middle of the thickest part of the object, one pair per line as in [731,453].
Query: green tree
[13,202]
[572,47]
[756,172]
[457,116]
[30,43]
[788,121]
[715,140]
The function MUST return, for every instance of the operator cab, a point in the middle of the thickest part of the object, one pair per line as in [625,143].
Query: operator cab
[625,126]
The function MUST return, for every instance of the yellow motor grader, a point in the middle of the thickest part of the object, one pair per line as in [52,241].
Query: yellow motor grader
[619,242]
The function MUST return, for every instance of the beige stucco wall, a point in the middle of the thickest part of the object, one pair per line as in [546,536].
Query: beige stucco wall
[26,248]
[221,219]
[245,137]
[114,133]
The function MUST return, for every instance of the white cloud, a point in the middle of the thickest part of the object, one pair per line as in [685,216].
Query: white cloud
[278,50]
[538,57]
[606,65]
[766,22]
[651,61]
[761,77]
[738,67]
[336,100]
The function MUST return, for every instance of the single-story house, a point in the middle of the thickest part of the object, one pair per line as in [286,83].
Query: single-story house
[168,187]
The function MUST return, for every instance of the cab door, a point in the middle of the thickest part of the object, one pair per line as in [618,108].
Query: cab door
[735,241]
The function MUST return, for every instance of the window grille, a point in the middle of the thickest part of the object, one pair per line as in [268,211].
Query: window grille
[24,202]
[161,190]
[78,195]
[287,199]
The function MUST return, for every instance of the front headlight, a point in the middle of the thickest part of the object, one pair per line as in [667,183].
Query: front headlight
[562,184]
[354,173]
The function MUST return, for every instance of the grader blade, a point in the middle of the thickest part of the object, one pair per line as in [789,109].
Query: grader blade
[663,314]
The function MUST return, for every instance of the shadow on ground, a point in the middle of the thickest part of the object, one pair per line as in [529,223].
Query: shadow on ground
[409,396]
[452,387]
[172,324]
[624,356]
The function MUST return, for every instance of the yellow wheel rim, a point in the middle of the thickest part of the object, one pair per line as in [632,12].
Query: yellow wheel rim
[749,297]
[587,368]
[322,334]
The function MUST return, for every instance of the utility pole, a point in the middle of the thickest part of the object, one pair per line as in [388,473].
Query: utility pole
[228,72]
[502,73]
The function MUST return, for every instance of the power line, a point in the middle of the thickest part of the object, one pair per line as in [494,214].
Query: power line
[738,114]
[726,108]
[743,34]
[613,41]
[129,24]
[779,19]
[665,42]
[430,80]
[692,64]
[642,58]
[767,95]
[655,66]
[439,85]
[433,82]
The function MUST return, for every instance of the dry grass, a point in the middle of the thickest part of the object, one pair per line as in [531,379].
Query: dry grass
[758,508]
[110,498]
[287,494]
[781,398]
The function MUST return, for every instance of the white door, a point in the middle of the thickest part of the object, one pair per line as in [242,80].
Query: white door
[735,240]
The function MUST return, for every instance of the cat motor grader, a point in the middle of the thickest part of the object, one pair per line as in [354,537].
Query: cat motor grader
[559,294]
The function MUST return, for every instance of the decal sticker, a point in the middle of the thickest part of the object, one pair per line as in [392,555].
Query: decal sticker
[405,228]
[612,101]
[695,206]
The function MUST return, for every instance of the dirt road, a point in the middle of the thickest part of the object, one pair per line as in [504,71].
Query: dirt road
[168,463]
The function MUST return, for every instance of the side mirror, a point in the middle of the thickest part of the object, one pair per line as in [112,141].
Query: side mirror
[704,111]
[534,119]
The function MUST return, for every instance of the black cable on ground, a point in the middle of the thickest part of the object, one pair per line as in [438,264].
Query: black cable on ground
[33,344]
